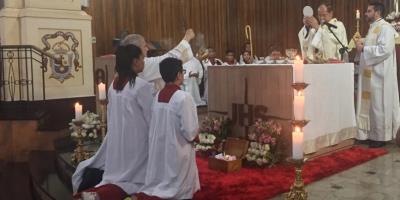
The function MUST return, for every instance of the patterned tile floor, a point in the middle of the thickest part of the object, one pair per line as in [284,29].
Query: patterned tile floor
[378,179]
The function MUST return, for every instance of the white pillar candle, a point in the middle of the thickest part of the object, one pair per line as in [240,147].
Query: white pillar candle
[298,106]
[78,111]
[357,14]
[298,70]
[102,91]
[297,140]
[397,6]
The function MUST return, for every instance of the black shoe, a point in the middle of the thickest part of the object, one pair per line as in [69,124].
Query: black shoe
[363,142]
[376,144]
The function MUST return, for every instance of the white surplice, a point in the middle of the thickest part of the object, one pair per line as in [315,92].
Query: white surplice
[320,45]
[378,110]
[172,171]
[191,84]
[151,71]
[123,155]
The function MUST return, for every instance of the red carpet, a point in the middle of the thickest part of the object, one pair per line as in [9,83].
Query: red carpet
[267,183]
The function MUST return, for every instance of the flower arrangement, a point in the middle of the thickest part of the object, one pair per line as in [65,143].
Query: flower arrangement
[213,132]
[90,127]
[264,139]
[394,19]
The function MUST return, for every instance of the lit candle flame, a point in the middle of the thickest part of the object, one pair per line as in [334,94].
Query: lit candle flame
[299,93]
[298,58]
[297,129]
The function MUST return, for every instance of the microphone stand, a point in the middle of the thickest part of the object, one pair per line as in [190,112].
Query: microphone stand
[342,50]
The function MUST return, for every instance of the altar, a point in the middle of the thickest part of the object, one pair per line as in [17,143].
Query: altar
[247,92]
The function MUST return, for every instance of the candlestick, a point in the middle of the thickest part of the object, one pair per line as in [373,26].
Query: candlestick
[78,111]
[102,91]
[299,106]
[357,14]
[298,140]
[298,70]
[297,190]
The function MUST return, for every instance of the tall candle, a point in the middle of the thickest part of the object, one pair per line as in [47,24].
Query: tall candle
[298,70]
[297,140]
[299,106]
[102,91]
[397,6]
[78,111]
[357,14]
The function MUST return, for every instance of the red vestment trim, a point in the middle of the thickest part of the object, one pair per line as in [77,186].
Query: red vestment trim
[167,92]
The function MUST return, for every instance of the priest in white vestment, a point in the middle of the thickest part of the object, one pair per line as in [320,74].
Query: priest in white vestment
[193,73]
[172,171]
[378,110]
[317,42]
[151,71]
[125,150]
[210,61]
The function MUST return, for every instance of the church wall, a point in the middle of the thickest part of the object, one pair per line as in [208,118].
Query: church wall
[273,22]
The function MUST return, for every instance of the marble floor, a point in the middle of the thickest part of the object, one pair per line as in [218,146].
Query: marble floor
[378,179]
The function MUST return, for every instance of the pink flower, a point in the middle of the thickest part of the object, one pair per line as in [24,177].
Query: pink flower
[273,141]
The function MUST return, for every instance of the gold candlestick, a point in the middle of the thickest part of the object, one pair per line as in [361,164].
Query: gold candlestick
[79,153]
[356,36]
[297,190]
[103,119]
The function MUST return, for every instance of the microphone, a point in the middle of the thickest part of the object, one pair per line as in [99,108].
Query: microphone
[329,25]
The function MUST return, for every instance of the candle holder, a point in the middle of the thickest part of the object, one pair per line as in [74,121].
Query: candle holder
[79,153]
[297,190]
[299,86]
[103,119]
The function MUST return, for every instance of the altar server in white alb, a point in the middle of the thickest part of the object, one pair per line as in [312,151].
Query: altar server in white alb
[151,71]
[378,110]
[193,73]
[172,171]
[317,42]
[125,149]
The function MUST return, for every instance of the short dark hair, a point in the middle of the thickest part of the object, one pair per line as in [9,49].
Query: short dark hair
[229,51]
[274,48]
[378,7]
[328,6]
[169,69]
[245,51]
[124,57]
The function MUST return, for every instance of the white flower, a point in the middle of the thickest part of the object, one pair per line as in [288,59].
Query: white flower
[265,161]
[266,147]
[83,134]
[251,150]
[91,135]
[95,135]
[253,144]
[74,134]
